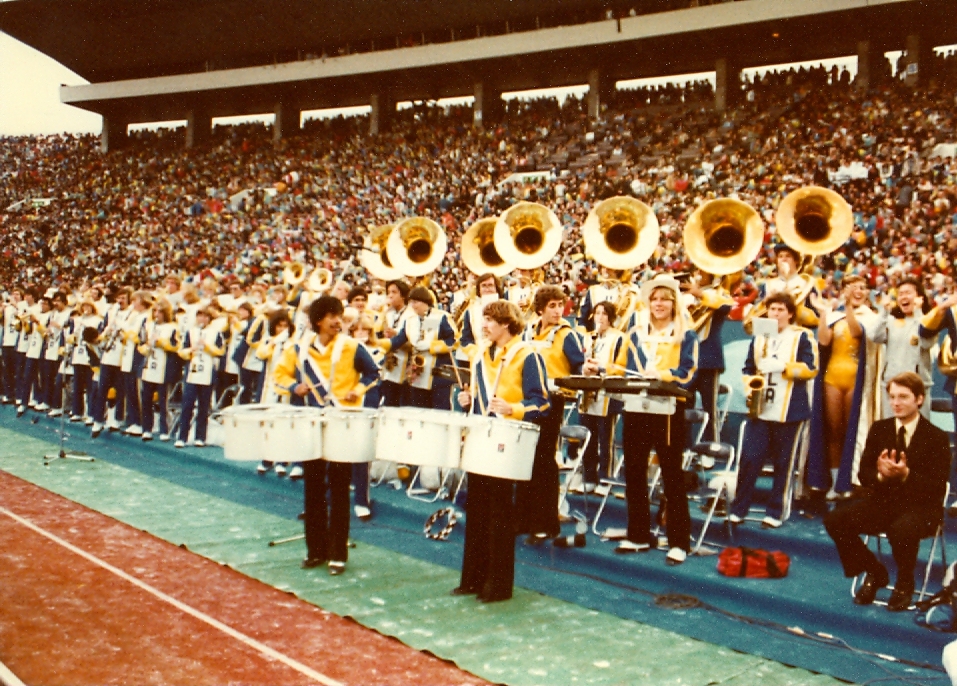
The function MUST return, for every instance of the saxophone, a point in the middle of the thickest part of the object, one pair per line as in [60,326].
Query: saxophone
[755,387]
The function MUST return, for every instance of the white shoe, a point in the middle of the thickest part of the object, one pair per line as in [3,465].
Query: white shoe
[134,430]
[676,556]
[280,469]
[735,519]
[199,444]
[771,523]
[97,428]
[295,472]
[363,512]
[261,468]
[88,421]
[632,547]
[164,437]
[179,444]
[113,425]
[32,404]
[55,413]
[147,436]
[42,407]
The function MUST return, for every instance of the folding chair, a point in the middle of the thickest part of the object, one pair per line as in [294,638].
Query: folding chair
[571,469]
[939,543]
[722,482]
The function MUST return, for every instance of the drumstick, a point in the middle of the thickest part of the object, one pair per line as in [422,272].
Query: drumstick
[629,372]
[314,388]
[455,368]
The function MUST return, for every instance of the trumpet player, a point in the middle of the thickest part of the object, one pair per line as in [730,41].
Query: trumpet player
[778,368]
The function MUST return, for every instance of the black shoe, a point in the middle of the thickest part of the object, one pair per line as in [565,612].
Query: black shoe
[494,598]
[872,584]
[901,598]
[311,562]
[463,590]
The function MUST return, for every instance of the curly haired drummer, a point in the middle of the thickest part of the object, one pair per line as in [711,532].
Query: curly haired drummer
[326,368]
[508,381]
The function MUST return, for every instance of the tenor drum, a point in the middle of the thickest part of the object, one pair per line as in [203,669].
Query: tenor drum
[348,434]
[500,447]
[413,436]
[271,432]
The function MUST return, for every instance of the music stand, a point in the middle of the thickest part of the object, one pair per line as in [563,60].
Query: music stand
[63,454]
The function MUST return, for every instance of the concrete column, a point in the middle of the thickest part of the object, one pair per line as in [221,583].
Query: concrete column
[199,127]
[594,94]
[910,62]
[114,135]
[383,108]
[488,106]
[865,66]
[727,89]
[287,121]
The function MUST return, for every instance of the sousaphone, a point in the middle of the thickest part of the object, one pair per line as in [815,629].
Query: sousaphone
[723,236]
[417,246]
[375,255]
[620,233]
[478,249]
[814,220]
[527,235]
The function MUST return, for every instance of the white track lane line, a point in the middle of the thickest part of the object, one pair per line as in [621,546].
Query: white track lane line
[8,678]
[183,607]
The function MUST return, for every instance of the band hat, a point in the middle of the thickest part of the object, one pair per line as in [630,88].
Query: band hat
[661,281]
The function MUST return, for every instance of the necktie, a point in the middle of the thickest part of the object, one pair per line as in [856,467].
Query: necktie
[901,441]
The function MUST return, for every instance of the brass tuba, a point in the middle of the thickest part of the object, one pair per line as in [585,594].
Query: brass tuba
[375,255]
[620,233]
[721,238]
[320,280]
[293,274]
[478,249]
[814,220]
[946,358]
[417,246]
[527,235]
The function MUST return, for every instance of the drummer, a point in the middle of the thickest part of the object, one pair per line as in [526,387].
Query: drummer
[326,368]
[508,381]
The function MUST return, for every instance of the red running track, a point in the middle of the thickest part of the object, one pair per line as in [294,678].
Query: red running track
[85,599]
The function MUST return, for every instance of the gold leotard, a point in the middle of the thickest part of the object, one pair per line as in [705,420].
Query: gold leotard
[842,366]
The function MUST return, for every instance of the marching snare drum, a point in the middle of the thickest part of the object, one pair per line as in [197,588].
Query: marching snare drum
[422,437]
[271,432]
[500,447]
[348,434]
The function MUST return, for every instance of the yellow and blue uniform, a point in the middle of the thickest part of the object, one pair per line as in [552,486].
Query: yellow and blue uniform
[673,355]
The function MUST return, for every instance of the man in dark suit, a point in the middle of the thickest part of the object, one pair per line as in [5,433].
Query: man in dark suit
[904,470]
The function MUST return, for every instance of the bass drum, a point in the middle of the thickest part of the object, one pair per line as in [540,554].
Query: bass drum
[500,447]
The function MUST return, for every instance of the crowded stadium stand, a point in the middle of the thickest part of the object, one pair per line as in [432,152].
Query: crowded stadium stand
[238,204]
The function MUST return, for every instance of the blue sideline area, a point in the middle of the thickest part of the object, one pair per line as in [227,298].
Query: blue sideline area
[751,616]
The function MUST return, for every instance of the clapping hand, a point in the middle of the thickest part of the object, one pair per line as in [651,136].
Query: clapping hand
[893,465]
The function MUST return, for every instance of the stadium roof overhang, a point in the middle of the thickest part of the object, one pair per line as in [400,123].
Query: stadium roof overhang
[750,32]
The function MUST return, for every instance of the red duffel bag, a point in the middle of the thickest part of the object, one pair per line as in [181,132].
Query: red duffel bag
[753,563]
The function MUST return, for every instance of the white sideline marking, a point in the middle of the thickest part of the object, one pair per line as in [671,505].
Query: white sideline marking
[183,607]
[8,678]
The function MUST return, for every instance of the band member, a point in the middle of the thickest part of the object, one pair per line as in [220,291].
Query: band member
[905,466]
[53,355]
[789,279]
[847,388]
[131,362]
[159,346]
[561,349]
[363,330]
[395,361]
[327,368]
[271,349]
[251,366]
[784,363]
[488,289]
[429,336]
[110,378]
[905,350]
[202,346]
[944,317]
[712,306]
[25,309]
[615,287]
[596,410]
[11,335]
[508,381]
[663,348]
[83,352]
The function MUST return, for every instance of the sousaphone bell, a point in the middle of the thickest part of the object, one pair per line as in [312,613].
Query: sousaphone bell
[375,255]
[527,235]
[814,220]
[478,249]
[620,233]
[723,236]
[417,246]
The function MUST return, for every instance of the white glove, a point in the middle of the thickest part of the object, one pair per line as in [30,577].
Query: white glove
[770,365]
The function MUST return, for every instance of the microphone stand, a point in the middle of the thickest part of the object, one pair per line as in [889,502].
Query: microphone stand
[63,454]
